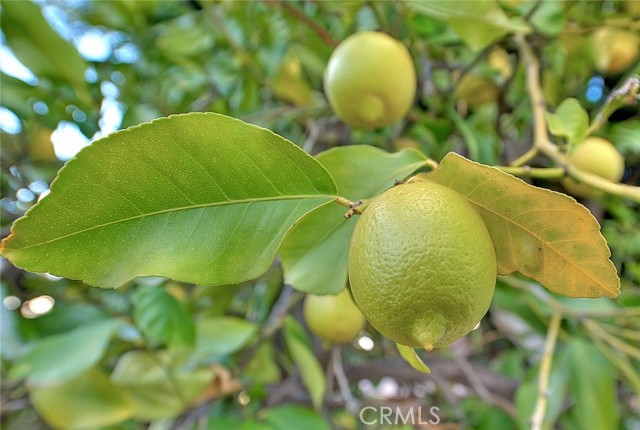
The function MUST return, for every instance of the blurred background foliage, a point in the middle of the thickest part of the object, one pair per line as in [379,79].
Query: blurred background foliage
[158,354]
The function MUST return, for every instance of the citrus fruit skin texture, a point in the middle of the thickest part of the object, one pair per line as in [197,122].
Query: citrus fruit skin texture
[598,156]
[370,80]
[422,266]
[333,318]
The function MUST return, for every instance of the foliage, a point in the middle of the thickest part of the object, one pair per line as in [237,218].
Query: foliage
[219,200]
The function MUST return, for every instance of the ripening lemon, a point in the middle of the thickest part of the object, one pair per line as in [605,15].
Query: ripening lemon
[370,80]
[598,156]
[614,49]
[334,318]
[422,266]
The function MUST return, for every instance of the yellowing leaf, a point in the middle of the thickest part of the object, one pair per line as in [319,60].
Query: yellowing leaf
[540,233]
[411,356]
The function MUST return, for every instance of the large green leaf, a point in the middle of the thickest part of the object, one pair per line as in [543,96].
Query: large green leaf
[162,318]
[593,387]
[314,254]
[87,402]
[201,198]
[63,356]
[310,370]
[40,48]
[158,387]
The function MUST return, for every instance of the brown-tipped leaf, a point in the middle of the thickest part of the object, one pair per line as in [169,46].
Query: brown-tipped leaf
[542,234]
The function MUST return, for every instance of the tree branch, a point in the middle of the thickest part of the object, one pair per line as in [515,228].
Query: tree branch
[545,370]
[314,26]
[541,138]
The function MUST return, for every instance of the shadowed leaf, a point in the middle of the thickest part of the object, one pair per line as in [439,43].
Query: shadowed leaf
[314,253]
[310,370]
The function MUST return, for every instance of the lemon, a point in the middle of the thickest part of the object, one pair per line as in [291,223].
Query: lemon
[476,91]
[614,49]
[370,80]
[334,318]
[422,266]
[598,156]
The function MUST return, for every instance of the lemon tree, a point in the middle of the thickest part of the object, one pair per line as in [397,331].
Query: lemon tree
[291,215]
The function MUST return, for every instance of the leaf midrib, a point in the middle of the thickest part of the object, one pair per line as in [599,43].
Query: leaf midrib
[170,210]
[548,244]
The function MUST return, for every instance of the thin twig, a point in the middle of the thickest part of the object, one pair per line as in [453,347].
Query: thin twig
[545,370]
[535,172]
[314,26]
[351,403]
[612,340]
[524,158]
[535,289]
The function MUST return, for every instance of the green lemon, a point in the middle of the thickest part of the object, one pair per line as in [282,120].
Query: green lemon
[476,91]
[370,80]
[335,319]
[598,156]
[422,266]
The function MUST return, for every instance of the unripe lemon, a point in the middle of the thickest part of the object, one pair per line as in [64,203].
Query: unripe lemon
[476,91]
[598,156]
[370,80]
[422,266]
[335,319]
[614,49]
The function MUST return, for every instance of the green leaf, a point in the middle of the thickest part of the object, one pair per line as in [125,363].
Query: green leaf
[162,318]
[542,234]
[263,368]
[626,136]
[549,19]
[310,370]
[288,417]
[314,254]
[200,198]
[221,336]
[411,356]
[571,121]
[86,402]
[40,48]
[489,22]
[157,387]
[593,387]
[63,356]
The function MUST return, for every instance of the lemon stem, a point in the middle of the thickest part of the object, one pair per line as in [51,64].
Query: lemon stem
[427,346]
